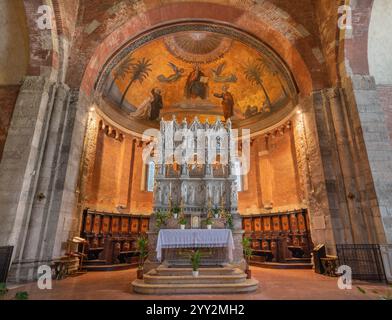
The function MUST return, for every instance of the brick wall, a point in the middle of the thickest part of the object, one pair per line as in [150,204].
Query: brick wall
[116,177]
[273,176]
[8,96]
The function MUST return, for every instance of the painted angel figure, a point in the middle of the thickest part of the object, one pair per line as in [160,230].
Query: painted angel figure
[178,73]
[217,75]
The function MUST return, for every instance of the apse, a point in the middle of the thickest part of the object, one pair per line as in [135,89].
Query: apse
[212,72]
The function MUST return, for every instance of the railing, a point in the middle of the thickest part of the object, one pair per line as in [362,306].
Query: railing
[5,260]
[365,261]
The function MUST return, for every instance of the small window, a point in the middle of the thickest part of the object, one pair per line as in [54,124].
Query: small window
[150,176]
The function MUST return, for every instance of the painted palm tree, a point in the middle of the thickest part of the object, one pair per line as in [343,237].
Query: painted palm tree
[121,71]
[254,72]
[139,72]
[275,72]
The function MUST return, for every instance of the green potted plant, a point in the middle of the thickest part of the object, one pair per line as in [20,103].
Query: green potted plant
[248,251]
[209,222]
[3,290]
[142,246]
[23,295]
[175,211]
[182,222]
[195,260]
[216,212]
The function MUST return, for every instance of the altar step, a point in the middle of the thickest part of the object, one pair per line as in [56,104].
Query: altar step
[281,265]
[154,277]
[165,280]
[166,271]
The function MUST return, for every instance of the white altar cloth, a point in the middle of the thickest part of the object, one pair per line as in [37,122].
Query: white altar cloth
[195,238]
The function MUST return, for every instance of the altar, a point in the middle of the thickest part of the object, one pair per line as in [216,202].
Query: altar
[188,194]
[195,208]
[195,238]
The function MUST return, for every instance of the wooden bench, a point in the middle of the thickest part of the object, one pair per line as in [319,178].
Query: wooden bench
[266,254]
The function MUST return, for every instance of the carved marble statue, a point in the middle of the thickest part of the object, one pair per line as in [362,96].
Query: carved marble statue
[195,187]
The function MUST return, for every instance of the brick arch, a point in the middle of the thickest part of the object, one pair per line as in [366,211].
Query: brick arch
[295,47]
[41,57]
[354,45]
[43,43]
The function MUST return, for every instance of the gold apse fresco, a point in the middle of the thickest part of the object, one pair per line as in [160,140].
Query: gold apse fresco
[196,74]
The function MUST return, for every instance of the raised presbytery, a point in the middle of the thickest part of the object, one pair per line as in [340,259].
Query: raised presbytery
[195,148]
[203,188]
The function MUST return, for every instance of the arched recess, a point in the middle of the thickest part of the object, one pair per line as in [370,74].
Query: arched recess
[296,48]
[290,43]
[93,48]
[225,30]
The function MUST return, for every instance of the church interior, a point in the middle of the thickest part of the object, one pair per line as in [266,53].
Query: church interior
[295,185]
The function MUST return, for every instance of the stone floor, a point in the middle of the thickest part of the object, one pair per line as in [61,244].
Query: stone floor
[274,284]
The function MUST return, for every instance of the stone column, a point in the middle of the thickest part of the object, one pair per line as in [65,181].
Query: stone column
[378,147]
[21,161]
[238,234]
[265,168]
[317,172]
[256,157]
[345,162]
[40,168]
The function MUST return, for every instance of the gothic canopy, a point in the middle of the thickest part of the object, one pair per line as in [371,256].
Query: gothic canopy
[196,70]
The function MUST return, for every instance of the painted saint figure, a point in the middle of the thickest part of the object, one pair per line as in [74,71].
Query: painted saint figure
[227,102]
[196,84]
[156,104]
[150,108]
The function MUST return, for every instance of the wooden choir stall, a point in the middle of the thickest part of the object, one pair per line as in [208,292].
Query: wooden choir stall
[111,239]
[282,237]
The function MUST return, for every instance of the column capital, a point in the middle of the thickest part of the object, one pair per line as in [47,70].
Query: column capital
[332,93]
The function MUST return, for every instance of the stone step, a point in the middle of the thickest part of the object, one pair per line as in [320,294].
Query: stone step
[279,265]
[249,285]
[94,262]
[164,271]
[152,277]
